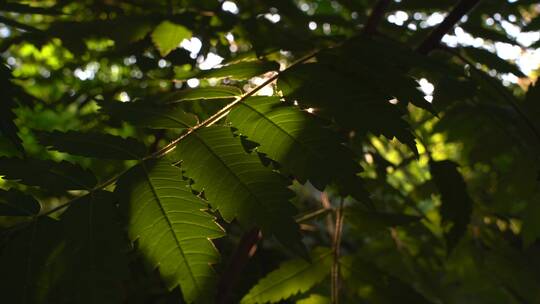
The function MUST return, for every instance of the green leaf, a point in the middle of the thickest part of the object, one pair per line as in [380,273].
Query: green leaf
[300,143]
[531,226]
[150,116]
[47,174]
[26,262]
[377,286]
[357,108]
[171,227]
[238,185]
[456,205]
[292,277]
[372,221]
[93,144]
[492,61]
[7,117]
[216,92]
[16,203]
[95,252]
[241,70]
[314,299]
[167,36]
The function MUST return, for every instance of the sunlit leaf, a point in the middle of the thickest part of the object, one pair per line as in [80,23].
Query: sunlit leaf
[171,227]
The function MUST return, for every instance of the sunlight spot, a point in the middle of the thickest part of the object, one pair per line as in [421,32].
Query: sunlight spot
[4,32]
[193,45]
[312,25]
[230,7]
[369,158]
[210,61]
[193,82]
[124,97]
[393,101]
[327,29]
[426,86]
[162,63]
[435,19]
[311,110]
[274,18]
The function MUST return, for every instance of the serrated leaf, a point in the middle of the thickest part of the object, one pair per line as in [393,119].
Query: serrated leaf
[241,70]
[171,227]
[47,174]
[26,261]
[167,36]
[292,277]
[16,203]
[151,116]
[302,145]
[456,205]
[216,92]
[94,254]
[238,185]
[357,108]
[93,144]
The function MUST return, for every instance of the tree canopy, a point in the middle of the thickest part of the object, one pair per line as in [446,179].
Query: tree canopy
[286,151]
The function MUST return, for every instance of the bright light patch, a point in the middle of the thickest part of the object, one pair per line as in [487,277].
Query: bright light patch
[193,82]
[230,7]
[312,25]
[210,61]
[193,45]
[162,63]
[124,97]
[274,18]
[266,90]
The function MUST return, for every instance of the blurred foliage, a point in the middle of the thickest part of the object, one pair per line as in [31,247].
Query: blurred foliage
[376,173]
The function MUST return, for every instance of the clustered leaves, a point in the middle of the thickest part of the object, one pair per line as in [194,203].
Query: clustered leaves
[267,152]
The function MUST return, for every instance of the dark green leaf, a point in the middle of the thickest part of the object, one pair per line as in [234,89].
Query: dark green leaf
[240,70]
[456,205]
[47,174]
[151,116]
[492,61]
[95,252]
[93,144]
[16,203]
[27,265]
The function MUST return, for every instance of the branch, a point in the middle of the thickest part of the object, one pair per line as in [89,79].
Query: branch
[336,244]
[245,250]
[377,14]
[434,38]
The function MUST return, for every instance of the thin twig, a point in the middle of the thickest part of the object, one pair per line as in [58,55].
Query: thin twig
[336,245]
[434,38]
[245,250]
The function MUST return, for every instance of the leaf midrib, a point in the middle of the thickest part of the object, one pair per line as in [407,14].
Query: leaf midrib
[169,224]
